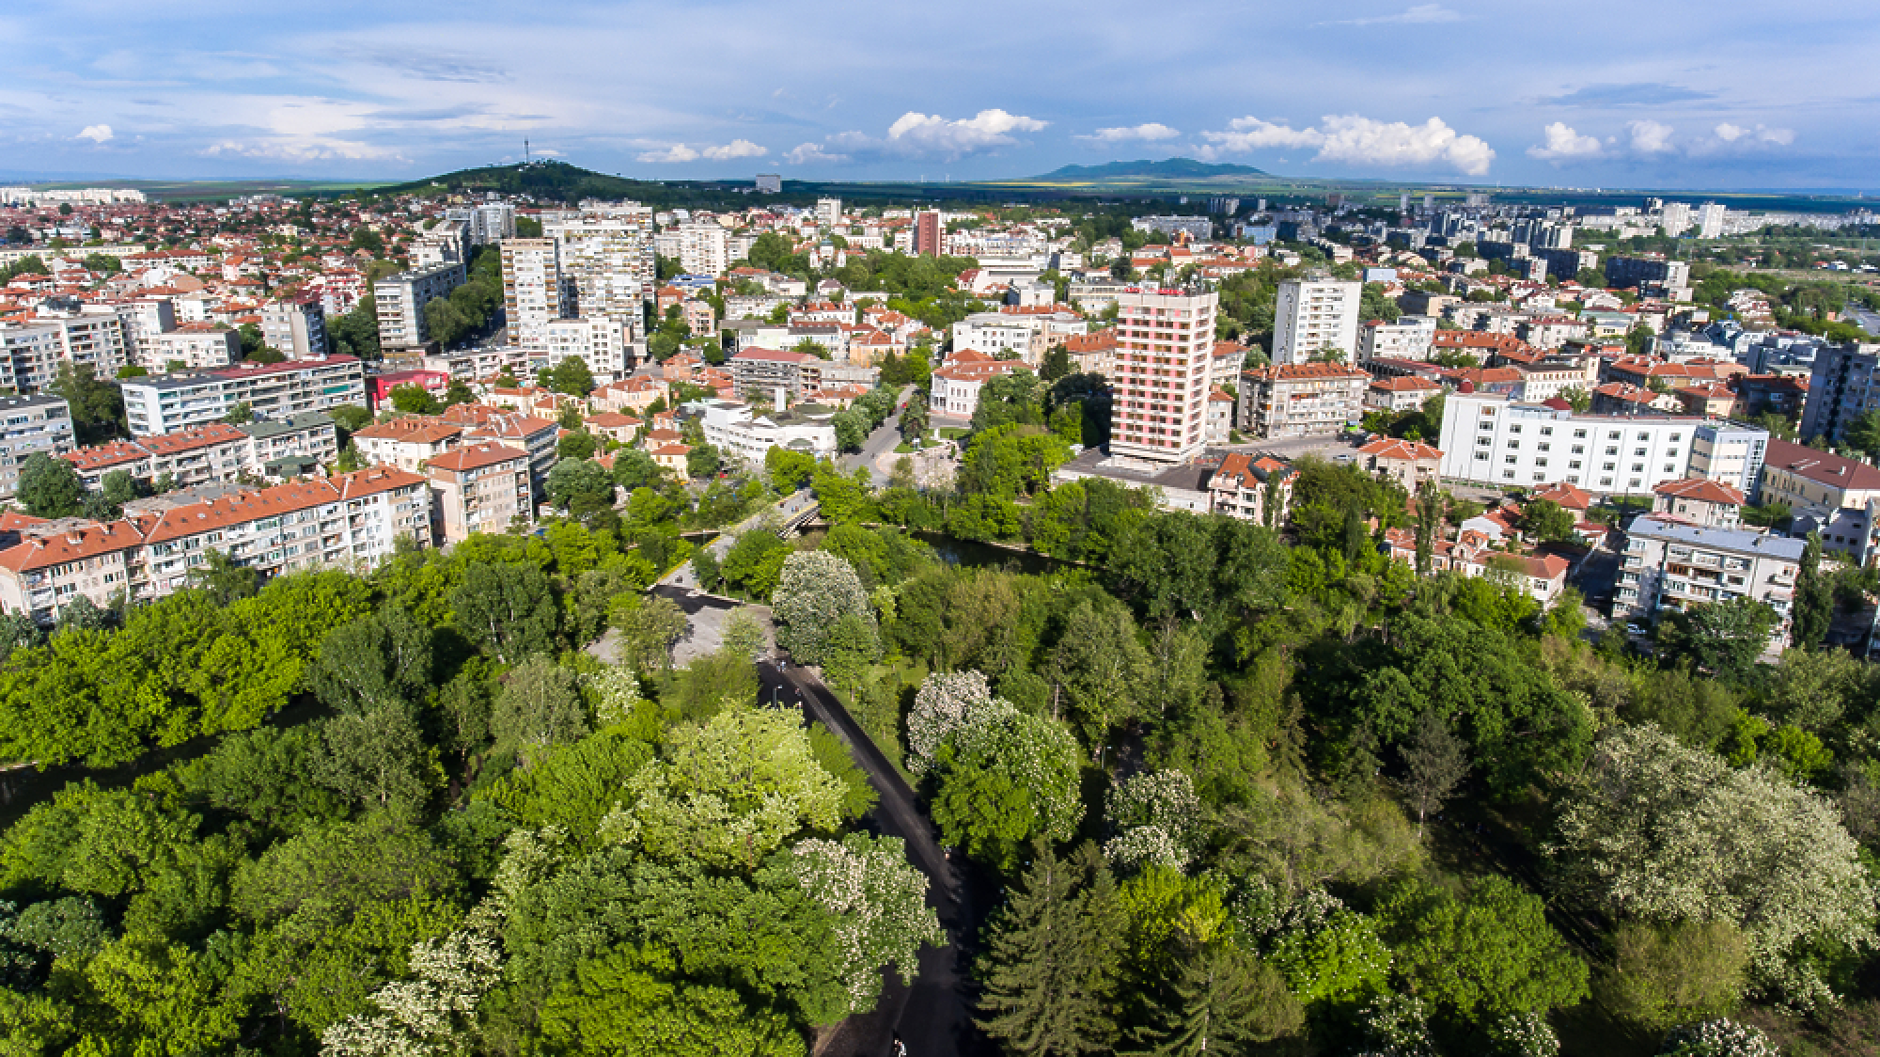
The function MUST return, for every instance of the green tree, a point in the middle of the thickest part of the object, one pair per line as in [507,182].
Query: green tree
[1100,666]
[538,706]
[1050,967]
[414,399]
[1667,975]
[1547,520]
[573,483]
[703,461]
[635,469]
[1491,952]
[1435,760]
[649,629]
[49,487]
[1814,599]
[1863,434]
[507,610]
[240,415]
[1722,637]
[1224,1001]
[815,590]
[572,376]
[97,405]
[1002,779]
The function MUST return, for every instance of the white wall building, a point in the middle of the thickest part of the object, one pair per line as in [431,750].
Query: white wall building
[401,299]
[1315,314]
[601,341]
[738,431]
[534,290]
[1408,338]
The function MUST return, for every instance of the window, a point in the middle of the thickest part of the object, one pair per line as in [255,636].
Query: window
[1579,449]
[1574,465]
[1606,466]
[1509,460]
[1612,451]
[1579,434]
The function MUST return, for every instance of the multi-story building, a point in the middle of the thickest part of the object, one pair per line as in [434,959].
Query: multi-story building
[1490,439]
[704,248]
[1406,462]
[408,443]
[995,332]
[296,328]
[480,488]
[954,392]
[743,433]
[1700,501]
[1408,338]
[165,403]
[1668,565]
[485,223]
[1629,272]
[1843,385]
[1404,393]
[292,446]
[1710,220]
[1164,353]
[761,374]
[610,261]
[1255,488]
[600,341]
[1301,399]
[829,212]
[190,347]
[1314,315]
[534,290]
[30,425]
[928,231]
[87,336]
[400,300]
[214,452]
[537,436]
[351,521]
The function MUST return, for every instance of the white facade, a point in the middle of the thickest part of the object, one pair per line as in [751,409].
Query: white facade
[1668,565]
[600,341]
[167,403]
[1314,314]
[401,299]
[610,260]
[196,348]
[1409,338]
[30,353]
[534,290]
[1164,352]
[30,424]
[829,212]
[737,431]
[704,248]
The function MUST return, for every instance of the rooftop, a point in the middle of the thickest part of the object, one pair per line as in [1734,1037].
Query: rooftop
[1651,527]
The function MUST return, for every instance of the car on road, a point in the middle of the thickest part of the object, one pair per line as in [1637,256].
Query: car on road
[1634,629]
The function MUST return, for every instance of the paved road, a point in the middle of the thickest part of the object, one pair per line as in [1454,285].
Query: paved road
[879,443]
[788,506]
[932,1017]
[1865,318]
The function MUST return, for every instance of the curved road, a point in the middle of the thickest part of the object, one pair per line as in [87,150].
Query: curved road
[932,1017]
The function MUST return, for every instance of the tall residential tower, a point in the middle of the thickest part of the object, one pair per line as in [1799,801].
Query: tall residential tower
[1164,345]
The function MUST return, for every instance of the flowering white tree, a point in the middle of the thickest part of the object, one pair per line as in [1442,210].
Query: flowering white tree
[1719,1038]
[1660,832]
[815,590]
[941,706]
[880,903]
[1006,777]
[429,1013]
[615,691]
[1154,815]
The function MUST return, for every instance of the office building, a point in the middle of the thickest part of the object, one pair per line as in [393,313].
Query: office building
[1489,439]
[1164,351]
[166,403]
[31,425]
[1843,385]
[400,301]
[534,290]
[1667,565]
[1301,399]
[1315,315]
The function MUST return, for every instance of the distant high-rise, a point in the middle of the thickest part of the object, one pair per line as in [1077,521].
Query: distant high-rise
[1844,385]
[610,261]
[534,291]
[1675,218]
[1312,315]
[1164,345]
[769,183]
[927,232]
[1710,220]
[829,212]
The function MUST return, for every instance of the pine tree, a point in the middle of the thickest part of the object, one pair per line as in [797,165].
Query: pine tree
[1814,599]
[1226,1001]
[1429,516]
[1050,967]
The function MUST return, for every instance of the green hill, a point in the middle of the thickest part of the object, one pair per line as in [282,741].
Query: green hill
[555,181]
[1168,169]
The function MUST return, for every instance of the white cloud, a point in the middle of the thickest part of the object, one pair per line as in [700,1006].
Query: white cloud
[811,154]
[1419,14]
[916,133]
[1357,140]
[303,148]
[1147,133]
[95,133]
[1650,137]
[1564,143]
[678,153]
[737,148]
[1727,133]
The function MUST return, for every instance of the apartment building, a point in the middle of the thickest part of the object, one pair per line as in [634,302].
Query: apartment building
[704,248]
[996,332]
[1700,501]
[609,259]
[1408,338]
[1406,462]
[1667,565]
[954,392]
[479,488]
[214,452]
[1312,315]
[743,433]
[1628,273]
[1843,385]
[190,347]
[928,229]
[1405,393]
[408,443]
[400,300]
[30,425]
[1164,355]
[534,290]
[165,403]
[1256,488]
[30,353]
[293,446]
[351,521]
[760,374]
[296,328]
[1488,438]
[537,436]
[1838,496]
[599,341]
[1301,399]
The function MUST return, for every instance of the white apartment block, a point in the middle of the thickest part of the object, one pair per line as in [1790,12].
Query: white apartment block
[1488,439]
[29,425]
[609,258]
[534,290]
[351,521]
[144,318]
[1669,565]
[195,347]
[599,340]
[1408,338]
[215,452]
[1315,314]
[30,353]
[995,332]
[1164,352]
[829,212]
[704,248]
[401,299]
[296,329]
[165,403]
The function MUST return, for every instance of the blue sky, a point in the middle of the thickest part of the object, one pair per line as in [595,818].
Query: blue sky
[1721,94]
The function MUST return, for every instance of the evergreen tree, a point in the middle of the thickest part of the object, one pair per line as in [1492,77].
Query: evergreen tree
[1050,966]
[1429,517]
[1225,1001]
[1814,598]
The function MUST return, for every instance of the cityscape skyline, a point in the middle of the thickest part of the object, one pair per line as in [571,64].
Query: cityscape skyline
[1456,91]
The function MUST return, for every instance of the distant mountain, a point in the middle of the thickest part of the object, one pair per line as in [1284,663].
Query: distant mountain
[1169,169]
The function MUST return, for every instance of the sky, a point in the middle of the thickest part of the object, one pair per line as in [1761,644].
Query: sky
[1721,95]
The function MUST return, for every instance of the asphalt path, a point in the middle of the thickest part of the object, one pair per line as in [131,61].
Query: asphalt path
[932,1017]
[879,443]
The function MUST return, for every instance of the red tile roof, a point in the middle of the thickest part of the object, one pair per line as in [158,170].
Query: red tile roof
[1702,489]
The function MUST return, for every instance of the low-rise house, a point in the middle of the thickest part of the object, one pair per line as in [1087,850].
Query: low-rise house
[1699,501]
[408,443]
[956,383]
[614,426]
[1255,488]
[1407,462]
[1405,393]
